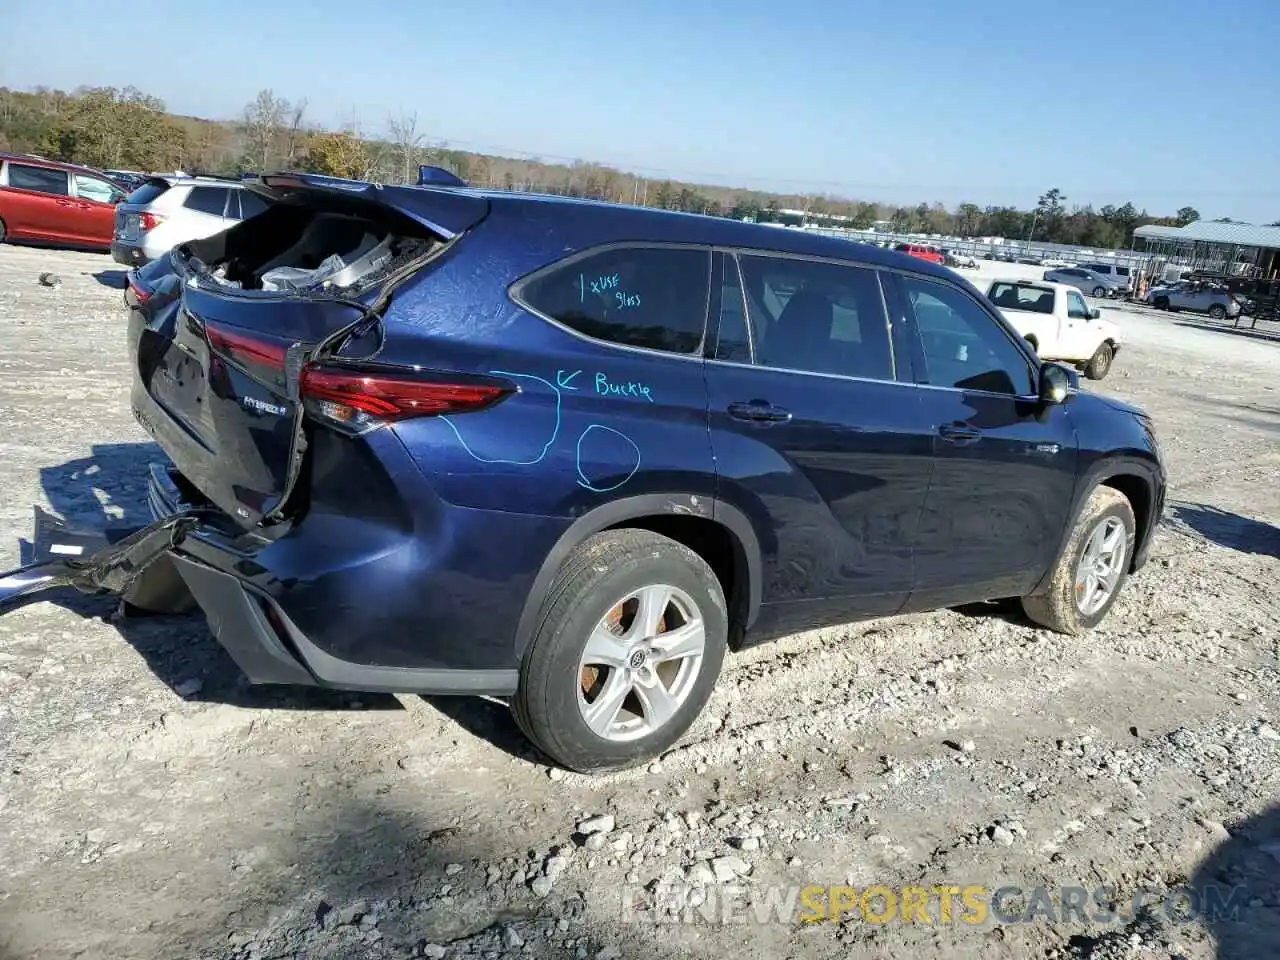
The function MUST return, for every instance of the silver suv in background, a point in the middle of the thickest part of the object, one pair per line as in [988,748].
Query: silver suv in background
[1116,271]
[1088,282]
[166,211]
[1211,298]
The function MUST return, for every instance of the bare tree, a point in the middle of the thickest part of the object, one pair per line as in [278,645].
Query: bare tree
[294,137]
[264,121]
[407,143]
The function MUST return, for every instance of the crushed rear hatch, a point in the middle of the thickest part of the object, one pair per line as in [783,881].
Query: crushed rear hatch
[218,368]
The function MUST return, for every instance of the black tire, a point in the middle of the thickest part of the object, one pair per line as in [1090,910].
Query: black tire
[1100,364]
[1161,303]
[594,579]
[2,231]
[1099,291]
[1218,311]
[1056,607]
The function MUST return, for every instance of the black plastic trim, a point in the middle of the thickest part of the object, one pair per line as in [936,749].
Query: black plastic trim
[238,619]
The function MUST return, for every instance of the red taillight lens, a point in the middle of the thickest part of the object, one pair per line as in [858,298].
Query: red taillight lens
[362,399]
[245,349]
[140,293]
[149,221]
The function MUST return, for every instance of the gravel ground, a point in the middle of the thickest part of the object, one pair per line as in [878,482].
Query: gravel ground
[153,805]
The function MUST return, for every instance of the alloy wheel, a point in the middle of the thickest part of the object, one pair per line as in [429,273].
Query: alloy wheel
[640,663]
[1101,565]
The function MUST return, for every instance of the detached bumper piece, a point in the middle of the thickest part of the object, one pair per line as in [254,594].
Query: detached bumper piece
[109,561]
[150,568]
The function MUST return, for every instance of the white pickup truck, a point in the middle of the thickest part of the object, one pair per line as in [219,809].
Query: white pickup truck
[1058,323]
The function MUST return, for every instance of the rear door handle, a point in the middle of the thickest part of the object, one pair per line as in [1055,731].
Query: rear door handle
[758,411]
[959,433]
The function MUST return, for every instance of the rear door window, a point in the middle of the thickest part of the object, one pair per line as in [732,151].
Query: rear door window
[38,179]
[250,204]
[652,297]
[817,317]
[210,200]
[148,192]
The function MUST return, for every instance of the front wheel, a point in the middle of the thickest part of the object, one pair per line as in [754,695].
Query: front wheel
[1100,364]
[1099,291]
[628,649]
[1218,312]
[2,231]
[1088,575]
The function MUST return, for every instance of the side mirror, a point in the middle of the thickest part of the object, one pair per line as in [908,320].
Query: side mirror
[1056,383]
[1094,313]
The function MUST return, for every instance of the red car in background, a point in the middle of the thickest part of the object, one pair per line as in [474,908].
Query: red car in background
[924,251]
[44,201]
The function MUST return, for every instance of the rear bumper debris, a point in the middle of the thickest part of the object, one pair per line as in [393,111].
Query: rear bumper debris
[144,563]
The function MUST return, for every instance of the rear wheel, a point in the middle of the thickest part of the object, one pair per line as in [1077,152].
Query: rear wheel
[2,231]
[1087,577]
[1218,311]
[1161,303]
[1099,291]
[627,652]
[1100,364]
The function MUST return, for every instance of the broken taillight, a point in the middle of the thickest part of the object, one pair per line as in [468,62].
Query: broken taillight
[245,349]
[357,399]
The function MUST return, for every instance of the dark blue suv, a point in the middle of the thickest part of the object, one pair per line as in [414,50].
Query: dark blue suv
[442,440]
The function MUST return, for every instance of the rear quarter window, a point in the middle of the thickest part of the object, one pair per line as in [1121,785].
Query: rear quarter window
[210,200]
[653,297]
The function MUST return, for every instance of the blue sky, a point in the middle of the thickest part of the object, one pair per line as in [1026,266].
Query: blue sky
[1161,103]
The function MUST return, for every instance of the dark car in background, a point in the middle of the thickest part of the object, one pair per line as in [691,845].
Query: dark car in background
[44,201]
[128,180]
[443,440]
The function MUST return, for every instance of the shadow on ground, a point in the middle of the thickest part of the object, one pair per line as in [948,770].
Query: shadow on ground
[113,278]
[491,720]
[1228,529]
[1236,890]
[356,876]
[108,489]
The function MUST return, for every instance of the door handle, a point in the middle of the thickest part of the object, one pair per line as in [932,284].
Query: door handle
[63,203]
[959,433]
[758,411]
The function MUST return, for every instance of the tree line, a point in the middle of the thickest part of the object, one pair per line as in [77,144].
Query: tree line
[106,127]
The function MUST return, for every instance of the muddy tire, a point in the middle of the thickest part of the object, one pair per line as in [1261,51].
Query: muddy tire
[1092,569]
[627,649]
[1099,364]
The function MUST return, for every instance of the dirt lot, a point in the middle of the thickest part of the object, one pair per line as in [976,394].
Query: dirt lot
[152,805]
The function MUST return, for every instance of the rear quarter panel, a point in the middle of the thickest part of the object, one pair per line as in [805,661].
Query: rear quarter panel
[589,421]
